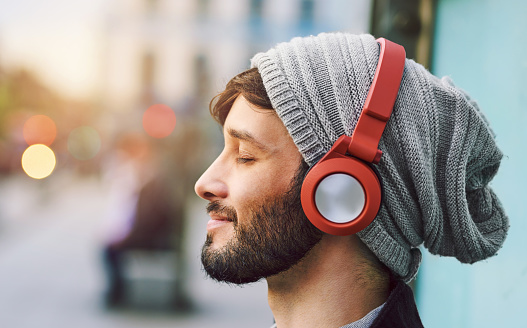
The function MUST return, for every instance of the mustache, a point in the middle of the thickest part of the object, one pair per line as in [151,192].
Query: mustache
[217,208]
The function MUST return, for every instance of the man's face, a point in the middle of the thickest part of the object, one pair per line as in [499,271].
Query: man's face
[257,227]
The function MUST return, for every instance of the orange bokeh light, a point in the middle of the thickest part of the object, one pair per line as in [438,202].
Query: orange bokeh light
[159,121]
[39,129]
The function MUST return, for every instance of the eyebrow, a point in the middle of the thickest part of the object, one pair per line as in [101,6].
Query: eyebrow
[246,136]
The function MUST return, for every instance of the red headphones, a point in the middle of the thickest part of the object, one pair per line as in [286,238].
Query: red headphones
[341,194]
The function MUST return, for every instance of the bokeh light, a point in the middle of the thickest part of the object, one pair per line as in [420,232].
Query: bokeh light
[38,161]
[159,121]
[39,129]
[84,143]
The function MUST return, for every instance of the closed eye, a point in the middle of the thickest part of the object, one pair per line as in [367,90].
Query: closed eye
[244,160]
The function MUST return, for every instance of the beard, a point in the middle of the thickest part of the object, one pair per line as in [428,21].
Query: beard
[276,236]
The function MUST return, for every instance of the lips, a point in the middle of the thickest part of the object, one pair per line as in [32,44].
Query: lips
[216,222]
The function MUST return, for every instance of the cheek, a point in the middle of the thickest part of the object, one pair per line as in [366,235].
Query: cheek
[252,189]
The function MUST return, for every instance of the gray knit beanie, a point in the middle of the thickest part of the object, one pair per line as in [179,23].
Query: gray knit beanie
[439,153]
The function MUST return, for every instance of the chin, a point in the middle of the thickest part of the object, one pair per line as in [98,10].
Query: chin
[214,245]
[219,239]
[216,241]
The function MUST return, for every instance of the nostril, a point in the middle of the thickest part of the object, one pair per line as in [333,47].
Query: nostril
[208,194]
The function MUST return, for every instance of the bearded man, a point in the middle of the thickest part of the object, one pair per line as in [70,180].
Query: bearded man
[284,115]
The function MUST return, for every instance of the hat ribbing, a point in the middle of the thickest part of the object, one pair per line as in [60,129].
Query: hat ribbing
[439,153]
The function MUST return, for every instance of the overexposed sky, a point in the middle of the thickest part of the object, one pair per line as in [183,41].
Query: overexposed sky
[59,40]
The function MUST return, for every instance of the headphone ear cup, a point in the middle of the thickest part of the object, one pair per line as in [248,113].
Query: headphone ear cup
[341,196]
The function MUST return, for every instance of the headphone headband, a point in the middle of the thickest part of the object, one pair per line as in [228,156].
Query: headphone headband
[379,103]
[342,193]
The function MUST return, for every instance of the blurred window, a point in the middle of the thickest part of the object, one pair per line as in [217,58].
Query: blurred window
[148,69]
[307,11]
[151,5]
[201,74]
[255,9]
[202,7]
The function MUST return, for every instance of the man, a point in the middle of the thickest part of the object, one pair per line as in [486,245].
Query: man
[279,119]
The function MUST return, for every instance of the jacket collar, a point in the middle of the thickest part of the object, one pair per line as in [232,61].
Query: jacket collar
[399,310]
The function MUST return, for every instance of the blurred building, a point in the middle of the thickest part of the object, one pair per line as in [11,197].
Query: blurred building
[181,53]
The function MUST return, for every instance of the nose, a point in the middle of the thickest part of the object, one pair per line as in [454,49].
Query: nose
[211,185]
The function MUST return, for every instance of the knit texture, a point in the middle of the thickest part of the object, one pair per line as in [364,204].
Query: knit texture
[439,153]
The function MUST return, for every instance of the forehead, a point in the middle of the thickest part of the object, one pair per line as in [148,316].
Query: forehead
[262,124]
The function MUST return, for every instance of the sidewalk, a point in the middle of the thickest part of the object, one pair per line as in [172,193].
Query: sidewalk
[51,275]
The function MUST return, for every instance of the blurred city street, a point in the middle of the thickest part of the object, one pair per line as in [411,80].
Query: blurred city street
[91,93]
[51,271]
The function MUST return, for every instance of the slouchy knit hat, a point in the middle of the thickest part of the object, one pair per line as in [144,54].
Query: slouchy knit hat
[439,153]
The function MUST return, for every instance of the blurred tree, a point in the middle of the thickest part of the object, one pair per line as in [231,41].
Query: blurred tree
[22,95]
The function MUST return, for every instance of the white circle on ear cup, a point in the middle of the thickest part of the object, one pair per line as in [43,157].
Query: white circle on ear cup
[340,198]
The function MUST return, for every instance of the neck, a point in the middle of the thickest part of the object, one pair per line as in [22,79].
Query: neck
[331,287]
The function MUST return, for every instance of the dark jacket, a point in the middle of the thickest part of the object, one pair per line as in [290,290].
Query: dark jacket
[399,310]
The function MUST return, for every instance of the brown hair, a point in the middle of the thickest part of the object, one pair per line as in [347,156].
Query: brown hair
[249,84]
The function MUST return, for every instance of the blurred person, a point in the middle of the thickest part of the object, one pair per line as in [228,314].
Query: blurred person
[299,108]
[144,217]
